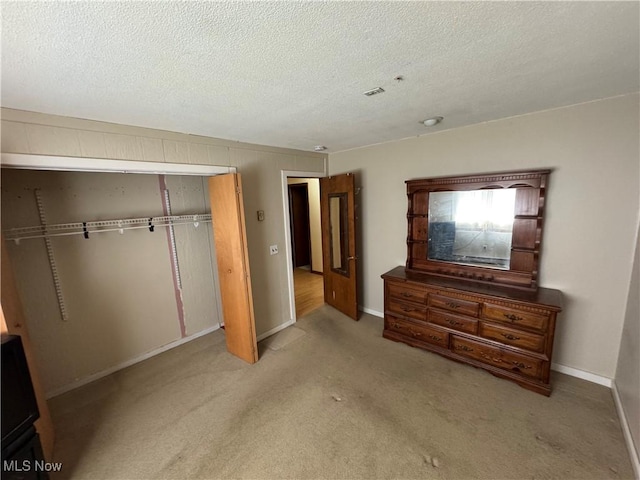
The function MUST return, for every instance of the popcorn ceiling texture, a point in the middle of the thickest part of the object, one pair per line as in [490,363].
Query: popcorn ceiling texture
[291,74]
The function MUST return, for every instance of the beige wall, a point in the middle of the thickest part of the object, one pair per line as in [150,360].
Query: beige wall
[628,371]
[260,166]
[315,226]
[590,225]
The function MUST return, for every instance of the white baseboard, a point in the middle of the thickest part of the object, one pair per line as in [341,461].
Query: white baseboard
[375,313]
[96,376]
[626,431]
[273,331]
[588,376]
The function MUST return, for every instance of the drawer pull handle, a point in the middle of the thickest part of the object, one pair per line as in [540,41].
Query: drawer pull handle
[489,357]
[407,309]
[464,347]
[453,305]
[509,336]
[500,360]
[453,322]
[522,365]
[410,330]
[407,295]
[436,338]
[512,317]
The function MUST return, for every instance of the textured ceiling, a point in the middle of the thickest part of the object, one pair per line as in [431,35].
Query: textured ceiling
[292,74]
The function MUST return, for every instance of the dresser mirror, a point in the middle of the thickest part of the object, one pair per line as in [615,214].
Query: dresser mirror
[483,228]
[472,227]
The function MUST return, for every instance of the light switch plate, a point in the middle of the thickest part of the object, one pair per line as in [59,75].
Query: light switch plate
[260,215]
[273,249]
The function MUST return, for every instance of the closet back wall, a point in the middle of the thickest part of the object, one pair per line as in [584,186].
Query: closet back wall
[118,289]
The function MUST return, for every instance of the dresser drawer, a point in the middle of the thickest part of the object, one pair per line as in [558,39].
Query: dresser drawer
[464,324]
[509,336]
[404,292]
[423,333]
[463,307]
[506,360]
[516,318]
[406,309]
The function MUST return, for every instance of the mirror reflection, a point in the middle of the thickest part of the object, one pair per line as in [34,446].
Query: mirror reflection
[472,227]
[338,231]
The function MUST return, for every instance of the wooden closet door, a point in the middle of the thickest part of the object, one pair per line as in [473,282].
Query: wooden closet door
[13,322]
[227,212]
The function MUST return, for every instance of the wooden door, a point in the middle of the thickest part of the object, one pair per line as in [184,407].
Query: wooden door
[300,237]
[14,322]
[337,209]
[227,212]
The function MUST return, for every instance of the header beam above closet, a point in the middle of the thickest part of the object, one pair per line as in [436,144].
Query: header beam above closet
[81,164]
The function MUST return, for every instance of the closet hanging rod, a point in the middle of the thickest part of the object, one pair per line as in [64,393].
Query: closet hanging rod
[99,226]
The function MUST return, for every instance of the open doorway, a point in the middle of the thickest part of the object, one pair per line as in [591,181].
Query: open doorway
[304,243]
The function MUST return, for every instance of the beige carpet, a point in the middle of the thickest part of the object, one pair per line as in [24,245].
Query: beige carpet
[336,401]
[282,338]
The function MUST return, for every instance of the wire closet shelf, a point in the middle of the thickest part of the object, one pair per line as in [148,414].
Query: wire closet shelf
[101,226]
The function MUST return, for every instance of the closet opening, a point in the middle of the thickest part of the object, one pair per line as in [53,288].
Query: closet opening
[112,267]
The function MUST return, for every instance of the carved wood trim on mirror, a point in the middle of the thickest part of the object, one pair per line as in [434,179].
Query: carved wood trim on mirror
[482,228]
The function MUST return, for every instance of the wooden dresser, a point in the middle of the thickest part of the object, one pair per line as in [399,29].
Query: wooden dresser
[506,331]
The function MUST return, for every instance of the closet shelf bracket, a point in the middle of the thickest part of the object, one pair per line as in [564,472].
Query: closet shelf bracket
[50,256]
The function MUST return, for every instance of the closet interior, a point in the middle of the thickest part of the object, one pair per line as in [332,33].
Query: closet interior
[110,267]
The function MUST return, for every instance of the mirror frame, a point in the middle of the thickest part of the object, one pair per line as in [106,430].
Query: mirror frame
[526,235]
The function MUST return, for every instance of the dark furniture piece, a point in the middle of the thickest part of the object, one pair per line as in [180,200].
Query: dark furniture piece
[469,290]
[528,192]
[22,456]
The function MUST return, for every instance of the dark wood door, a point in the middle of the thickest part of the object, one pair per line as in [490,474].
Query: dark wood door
[337,209]
[299,212]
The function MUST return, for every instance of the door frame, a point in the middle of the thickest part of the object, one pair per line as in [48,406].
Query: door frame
[287,233]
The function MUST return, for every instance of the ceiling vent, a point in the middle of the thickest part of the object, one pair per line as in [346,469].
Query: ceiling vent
[375,91]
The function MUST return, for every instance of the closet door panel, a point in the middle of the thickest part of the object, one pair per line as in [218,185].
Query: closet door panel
[14,322]
[227,211]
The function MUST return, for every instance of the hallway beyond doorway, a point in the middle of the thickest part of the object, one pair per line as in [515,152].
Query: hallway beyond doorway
[309,290]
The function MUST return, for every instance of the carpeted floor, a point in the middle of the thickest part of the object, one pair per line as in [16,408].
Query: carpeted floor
[330,398]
